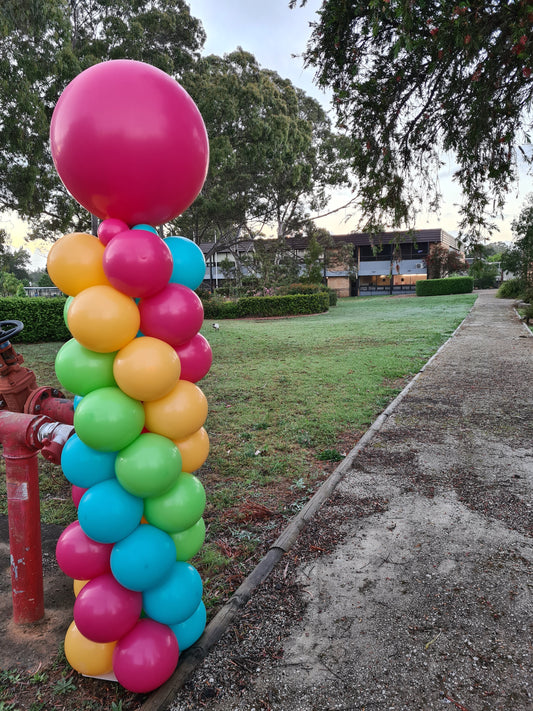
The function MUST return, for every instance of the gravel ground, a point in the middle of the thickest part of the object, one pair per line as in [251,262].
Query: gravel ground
[410,588]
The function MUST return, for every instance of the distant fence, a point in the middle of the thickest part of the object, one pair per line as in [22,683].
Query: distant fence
[42,291]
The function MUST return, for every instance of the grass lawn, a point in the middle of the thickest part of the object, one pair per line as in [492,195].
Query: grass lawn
[287,399]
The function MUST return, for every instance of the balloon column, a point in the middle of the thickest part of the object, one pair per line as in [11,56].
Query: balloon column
[130,145]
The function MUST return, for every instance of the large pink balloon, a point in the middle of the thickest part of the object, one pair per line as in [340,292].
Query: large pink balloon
[79,556]
[146,657]
[105,611]
[174,315]
[128,142]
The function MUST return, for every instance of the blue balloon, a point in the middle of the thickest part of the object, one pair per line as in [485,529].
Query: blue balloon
[143,559]
[189,262]
[84,466]
[148,228]
[191,629]
[108,513]
[77,400]
[177,597]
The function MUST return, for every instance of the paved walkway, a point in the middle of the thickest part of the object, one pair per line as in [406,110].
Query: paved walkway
[426,601]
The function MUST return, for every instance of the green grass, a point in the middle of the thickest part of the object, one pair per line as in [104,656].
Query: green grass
[286,394]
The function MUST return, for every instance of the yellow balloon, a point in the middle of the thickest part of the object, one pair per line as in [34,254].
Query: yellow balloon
[86,657]
[79,585]
[178,414]
[147,368]
[75,263]
[194,450]
[103,319]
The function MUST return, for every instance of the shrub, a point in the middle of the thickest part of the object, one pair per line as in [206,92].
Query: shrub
[42,318]
[510,289]
[265,306]
[438,287]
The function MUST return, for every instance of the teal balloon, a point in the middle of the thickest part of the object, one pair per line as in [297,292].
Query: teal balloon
[189,262]
[147,228]
[177,597]
[108,420]
[84,466]
[180,507]
[107,513]
[143,559]
[189,542]
[149,466]
[66,307]
[81,371]
[190,631]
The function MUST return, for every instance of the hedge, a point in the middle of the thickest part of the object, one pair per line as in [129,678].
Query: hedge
[42,318]
[451,285]
[265,306]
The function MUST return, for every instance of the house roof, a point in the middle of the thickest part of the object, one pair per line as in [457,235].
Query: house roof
[361,239]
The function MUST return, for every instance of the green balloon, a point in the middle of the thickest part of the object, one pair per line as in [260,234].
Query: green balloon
[189,542]
[149,465]
[180,507]
[66,307]
[81,371]
[108,420]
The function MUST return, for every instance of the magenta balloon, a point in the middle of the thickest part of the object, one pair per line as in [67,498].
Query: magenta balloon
[173,315]
[145,657]
[109,228]
[195,357]
[104,611]
[128,142]
[77,492]
[138,263]
[79,556]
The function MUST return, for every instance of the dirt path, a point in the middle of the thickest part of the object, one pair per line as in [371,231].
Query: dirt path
[411,589]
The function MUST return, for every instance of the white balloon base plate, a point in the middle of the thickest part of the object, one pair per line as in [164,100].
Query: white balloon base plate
[106,677]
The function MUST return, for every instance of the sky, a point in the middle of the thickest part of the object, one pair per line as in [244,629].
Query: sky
[277,37]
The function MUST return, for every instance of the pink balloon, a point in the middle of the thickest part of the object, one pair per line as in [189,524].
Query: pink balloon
[195,357]
[109,228]
[145,657]
[174,315]
[105,611]
[128,142]
[77,492]
[79,556]
[138,263]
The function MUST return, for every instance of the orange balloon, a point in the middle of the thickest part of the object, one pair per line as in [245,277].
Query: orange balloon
[86,657]
[194,450]
[79,585]
[103,319]
[146,368]
[75,263]
[178,414]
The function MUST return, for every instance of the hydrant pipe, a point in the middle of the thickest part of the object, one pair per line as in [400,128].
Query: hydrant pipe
[22,435]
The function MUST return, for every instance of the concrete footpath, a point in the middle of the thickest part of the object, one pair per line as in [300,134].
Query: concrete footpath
[425,600]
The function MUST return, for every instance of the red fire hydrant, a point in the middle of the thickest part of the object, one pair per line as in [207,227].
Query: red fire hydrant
[23,433]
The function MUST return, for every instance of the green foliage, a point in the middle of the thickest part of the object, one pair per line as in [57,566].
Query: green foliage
[273,153]
[439,287]
[412,80]
[485,274]
[42,318]
[268,306]
[510,289]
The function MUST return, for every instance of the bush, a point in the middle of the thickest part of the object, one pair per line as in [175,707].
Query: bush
[451,285]
[510,289]
[301,288]
[42,318]
[265,306]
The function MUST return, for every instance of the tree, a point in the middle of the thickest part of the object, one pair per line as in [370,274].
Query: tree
[518,259]
[412,80]
[17,262]
[273,153]
[442,262]
[44,44]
